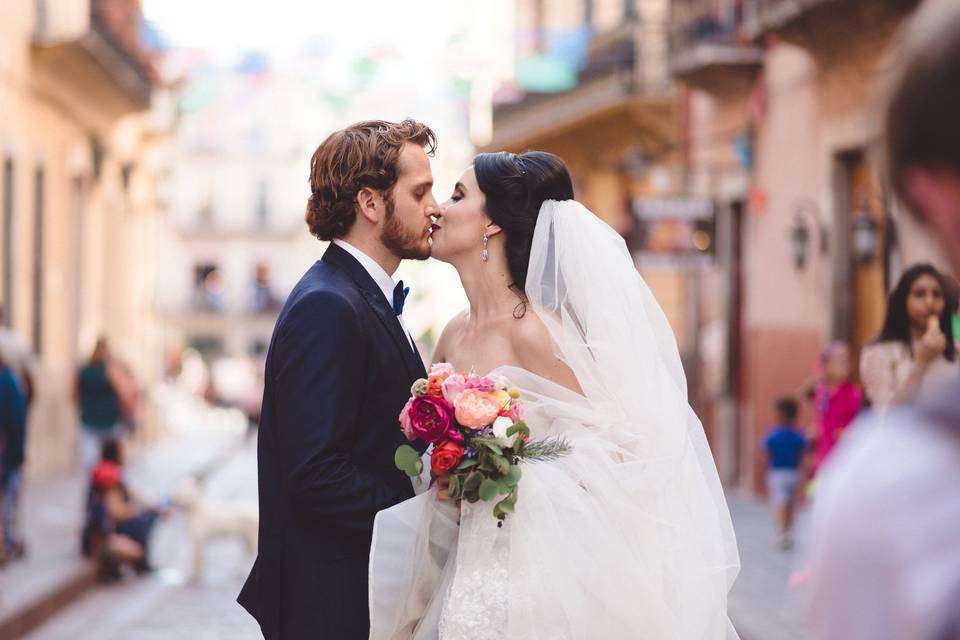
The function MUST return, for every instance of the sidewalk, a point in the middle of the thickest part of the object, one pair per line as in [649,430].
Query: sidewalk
[54,573]
[762,605]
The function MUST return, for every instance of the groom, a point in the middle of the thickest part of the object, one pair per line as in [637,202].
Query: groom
[338,372]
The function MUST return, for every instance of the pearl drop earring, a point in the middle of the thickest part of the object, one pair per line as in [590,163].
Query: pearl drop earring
[484,255]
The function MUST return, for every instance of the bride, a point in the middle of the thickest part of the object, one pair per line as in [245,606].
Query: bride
[629,536]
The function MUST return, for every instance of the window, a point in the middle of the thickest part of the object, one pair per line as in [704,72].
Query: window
[7,191]
[263,204]
[38,231]
[208,287]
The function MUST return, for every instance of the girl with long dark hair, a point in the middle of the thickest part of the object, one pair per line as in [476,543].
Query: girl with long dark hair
[916,348]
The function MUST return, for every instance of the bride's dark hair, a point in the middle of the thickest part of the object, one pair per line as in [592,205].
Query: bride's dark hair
[515,186]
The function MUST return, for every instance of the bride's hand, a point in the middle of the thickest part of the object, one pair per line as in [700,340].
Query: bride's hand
[442,484]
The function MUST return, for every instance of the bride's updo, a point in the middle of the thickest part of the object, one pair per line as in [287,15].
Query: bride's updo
[514,187]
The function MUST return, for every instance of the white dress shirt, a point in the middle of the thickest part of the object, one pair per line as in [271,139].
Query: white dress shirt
[381,277]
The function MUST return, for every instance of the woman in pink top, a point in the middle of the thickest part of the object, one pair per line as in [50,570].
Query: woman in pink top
[837,400]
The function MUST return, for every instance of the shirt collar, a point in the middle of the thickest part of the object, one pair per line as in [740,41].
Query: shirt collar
[381,277]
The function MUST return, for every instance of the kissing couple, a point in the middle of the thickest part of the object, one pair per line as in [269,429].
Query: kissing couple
[628,536]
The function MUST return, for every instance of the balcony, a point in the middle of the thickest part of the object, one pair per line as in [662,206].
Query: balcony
[708,53]
[615,82]
[83,60]
[811,23]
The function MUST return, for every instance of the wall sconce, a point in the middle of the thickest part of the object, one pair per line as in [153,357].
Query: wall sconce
[866,236]
[806,222]
[800,242]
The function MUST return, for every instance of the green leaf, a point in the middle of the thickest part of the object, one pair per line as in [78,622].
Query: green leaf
[493,446]
[454,488]
[507,505]
[408,460]
[513,476]
[502,464]
[466,463]
[473,481]
[489,490]
[486,462]
[519,427]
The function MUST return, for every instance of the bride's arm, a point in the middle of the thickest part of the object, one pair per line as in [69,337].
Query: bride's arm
[533,348]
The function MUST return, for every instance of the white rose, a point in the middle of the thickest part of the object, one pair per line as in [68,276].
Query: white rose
[500,426]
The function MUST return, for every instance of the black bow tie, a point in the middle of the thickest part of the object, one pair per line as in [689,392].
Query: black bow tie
[399,297]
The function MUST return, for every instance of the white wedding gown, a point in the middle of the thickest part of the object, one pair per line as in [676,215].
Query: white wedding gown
[629,536]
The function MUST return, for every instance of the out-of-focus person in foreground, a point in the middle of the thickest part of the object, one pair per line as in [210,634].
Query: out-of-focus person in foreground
[884,553]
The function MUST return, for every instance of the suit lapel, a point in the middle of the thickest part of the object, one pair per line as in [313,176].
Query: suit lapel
[382,309]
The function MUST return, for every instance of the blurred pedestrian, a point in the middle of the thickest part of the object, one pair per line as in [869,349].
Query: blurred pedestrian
[784,446]
[952,296]
[18,355]
[916,349]
[99,403]
[13,437]
[884,557]
[118,523]
[836,399]
[128,393]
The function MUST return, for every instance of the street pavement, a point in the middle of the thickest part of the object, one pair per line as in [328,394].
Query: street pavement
[763,605]
[165,606]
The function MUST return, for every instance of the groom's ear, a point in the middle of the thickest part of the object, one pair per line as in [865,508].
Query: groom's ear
[492,229]
[370,205]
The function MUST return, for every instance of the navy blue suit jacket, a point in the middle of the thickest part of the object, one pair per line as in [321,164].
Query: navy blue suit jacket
[338,372]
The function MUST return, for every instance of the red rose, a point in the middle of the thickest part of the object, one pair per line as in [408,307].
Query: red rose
[445,457]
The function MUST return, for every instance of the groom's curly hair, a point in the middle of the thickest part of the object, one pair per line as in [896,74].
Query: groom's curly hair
[364,155]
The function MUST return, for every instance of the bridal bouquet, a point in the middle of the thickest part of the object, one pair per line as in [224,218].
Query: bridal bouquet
[475,424]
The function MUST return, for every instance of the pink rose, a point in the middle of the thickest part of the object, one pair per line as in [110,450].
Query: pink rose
[440,368]
[481,383]
[431,419]
[405,424]
[476,409]
[453,386]
[515,413]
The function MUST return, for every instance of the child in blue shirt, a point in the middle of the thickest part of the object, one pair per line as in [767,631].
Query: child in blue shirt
[784,446]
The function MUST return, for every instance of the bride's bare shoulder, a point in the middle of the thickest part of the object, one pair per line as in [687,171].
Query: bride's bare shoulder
[442,351]
[533,347]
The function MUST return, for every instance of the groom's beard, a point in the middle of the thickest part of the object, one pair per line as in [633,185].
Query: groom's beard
[403,243]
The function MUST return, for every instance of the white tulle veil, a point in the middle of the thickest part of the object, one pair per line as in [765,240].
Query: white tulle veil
[627,537]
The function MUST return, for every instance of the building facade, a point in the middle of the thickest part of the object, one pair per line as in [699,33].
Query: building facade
[78,203]
[781,131]
[235,188]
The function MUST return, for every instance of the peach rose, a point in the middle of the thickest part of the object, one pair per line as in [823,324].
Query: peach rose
[476,409]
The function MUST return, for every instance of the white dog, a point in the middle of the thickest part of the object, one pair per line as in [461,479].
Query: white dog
[209,520]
